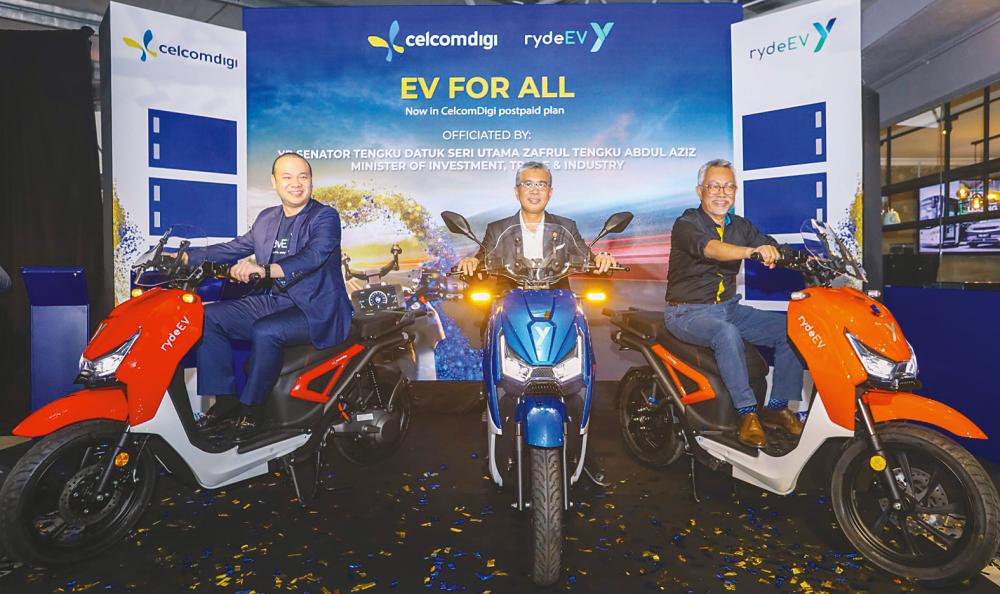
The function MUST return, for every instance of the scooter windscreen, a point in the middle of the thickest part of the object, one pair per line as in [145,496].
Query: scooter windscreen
[153,268]
[832,251]
[518,255]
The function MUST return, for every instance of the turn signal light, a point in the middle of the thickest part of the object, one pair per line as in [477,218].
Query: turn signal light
[187,298]
[136,292]
[480,296]
[596,296]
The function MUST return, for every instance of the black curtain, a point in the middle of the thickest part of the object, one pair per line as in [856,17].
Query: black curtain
[50,192]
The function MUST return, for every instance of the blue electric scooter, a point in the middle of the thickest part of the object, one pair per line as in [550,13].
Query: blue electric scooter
[538,371]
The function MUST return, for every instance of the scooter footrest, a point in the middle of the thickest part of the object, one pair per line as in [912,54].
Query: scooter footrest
[266,438]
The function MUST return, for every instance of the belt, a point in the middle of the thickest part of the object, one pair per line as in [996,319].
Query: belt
[676,303]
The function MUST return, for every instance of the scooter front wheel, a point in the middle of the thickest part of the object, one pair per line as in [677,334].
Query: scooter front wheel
[947,528]
[50,511]
[547,514]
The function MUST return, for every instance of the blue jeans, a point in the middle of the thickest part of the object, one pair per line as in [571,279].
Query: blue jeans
[269,322]
[723,327]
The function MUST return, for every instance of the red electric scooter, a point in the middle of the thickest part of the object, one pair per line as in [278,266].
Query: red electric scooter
[86,482]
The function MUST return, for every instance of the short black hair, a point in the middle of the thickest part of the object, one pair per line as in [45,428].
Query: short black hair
[274,164]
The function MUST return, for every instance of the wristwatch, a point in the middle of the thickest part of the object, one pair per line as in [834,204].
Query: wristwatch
[267,271]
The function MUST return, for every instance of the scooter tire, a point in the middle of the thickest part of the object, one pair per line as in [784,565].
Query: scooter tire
[359,450]
[631,387]
[20,489]
[546,514]
[983,504]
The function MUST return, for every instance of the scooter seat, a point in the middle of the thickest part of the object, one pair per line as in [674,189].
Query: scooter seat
[363,327]
[649,324]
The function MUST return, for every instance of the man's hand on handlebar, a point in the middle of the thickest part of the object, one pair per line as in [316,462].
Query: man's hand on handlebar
[769,255]
[241,271]
[603,261]
[467,266]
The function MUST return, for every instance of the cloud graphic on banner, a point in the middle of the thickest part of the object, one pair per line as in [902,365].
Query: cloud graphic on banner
[376,41]
[824,32]
[144,47]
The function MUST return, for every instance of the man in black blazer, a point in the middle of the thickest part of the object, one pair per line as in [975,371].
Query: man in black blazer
[521,234]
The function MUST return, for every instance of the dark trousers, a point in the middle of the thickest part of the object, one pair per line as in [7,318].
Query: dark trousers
[269,322]
[723,327]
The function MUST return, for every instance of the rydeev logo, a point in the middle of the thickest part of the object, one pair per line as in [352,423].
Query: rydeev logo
[572,37]
[484,41]
[180,51]
[795,42]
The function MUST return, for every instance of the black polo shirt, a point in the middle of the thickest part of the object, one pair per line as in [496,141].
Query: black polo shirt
[693,277]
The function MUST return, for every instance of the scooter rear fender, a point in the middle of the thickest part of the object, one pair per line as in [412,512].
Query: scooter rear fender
[543,418]
[98,403]
[890,406]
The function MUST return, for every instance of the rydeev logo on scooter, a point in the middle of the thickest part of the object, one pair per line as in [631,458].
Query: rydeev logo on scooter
[813,335]
[181,326]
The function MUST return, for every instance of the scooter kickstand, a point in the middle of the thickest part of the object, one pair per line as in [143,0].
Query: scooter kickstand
[694,482]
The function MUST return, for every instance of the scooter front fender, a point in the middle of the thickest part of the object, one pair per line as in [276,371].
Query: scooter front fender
[99,403]
[890,406]
[543,418]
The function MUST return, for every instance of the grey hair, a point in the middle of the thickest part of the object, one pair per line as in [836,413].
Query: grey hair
[532,165]
[713,163]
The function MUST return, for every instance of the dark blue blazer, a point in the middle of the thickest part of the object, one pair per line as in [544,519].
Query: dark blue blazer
[312,267]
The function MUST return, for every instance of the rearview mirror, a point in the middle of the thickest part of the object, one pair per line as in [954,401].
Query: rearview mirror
[457,224]
[616,223]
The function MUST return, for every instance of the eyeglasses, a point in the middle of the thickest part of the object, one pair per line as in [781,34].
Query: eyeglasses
[527,185]
[717,188]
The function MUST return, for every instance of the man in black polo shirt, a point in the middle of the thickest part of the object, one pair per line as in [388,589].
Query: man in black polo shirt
[707,246]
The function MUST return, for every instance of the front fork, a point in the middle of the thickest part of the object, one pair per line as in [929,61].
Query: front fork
[878,450]
[114,463]
[519,449]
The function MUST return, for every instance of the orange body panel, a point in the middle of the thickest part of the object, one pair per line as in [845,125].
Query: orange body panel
[673,365]
[338,364]
[100,403]
[816,327]
[888,406]
[169,328]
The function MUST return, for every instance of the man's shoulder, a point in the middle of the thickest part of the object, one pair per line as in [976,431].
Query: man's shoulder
[558,220]
[505,222]
[691,216]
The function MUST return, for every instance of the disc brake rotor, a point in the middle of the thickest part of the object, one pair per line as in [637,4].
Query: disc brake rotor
[947,524]
[77,502]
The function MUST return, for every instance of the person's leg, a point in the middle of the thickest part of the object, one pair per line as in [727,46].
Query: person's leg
[705,325]
[225,320]
[269,335]
[768,328]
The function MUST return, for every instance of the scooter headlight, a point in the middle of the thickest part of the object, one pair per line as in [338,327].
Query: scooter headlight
[572,365]
[105,366]
[877,366]
[511,365]
[911,366]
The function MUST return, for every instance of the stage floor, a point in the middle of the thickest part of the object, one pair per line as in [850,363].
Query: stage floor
[429,518]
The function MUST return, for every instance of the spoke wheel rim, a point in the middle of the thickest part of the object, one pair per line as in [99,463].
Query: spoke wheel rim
[648,429]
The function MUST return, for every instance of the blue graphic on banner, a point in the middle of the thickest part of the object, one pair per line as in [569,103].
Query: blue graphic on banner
[210,206]
[191,142]
[781,204]
[790,136]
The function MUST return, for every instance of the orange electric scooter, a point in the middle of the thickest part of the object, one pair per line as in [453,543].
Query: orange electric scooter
[911,500]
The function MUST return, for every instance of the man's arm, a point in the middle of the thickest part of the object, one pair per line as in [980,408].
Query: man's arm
[468,264]
[765,245]
[230,251]
[323,241]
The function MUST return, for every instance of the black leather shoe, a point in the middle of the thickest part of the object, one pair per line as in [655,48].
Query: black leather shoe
[221,412]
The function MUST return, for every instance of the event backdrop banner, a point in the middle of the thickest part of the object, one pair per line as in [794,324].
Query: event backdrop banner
[178,116]
[797,129]
[405,112]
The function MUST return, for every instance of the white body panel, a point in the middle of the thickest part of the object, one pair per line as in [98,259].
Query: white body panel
[213,470]
[780,474]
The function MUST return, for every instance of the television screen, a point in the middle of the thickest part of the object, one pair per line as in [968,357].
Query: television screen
[962,197]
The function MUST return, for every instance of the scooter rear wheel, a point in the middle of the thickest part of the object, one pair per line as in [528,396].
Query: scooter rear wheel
[49,515]
[947,530]
[650,434]
[365,450]
[547,514]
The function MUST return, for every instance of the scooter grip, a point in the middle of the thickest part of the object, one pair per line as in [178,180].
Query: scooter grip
[756,257]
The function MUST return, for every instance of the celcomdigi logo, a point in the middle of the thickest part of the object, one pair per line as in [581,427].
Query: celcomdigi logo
[144,47]
[795,42]
[180,51]
[572,37]
[484,41]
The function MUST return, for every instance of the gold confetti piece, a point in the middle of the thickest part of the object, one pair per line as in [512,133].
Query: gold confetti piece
[427,580]
[401,534]
[717,531]
[491,563]
[247,506]
[796,571]
[730,586]
[839,570]
[365,586]
[609,505]
[693,522]
[586,550]
[805,586]
[476,520]
[650,555]
[425,524]
[406,488]
[454,529]
[730,574]
[222,580]
[682,558]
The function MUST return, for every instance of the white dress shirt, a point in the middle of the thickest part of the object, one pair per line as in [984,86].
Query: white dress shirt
[532,242]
